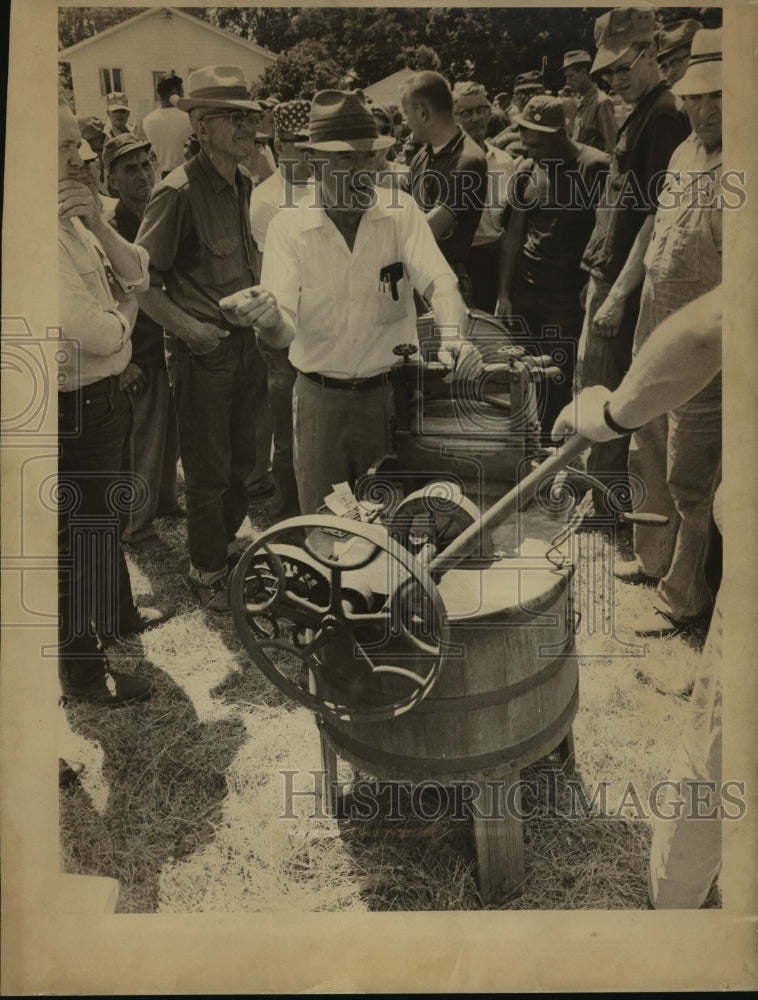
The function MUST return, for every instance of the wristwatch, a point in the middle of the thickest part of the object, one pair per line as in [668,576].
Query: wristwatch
[610,422]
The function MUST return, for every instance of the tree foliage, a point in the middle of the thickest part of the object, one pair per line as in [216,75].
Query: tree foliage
[357,46]
[77,23]
[300,72]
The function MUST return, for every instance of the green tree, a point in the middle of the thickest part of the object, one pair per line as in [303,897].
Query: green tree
[77,23]
[420,57]
[300,72]
[266,26]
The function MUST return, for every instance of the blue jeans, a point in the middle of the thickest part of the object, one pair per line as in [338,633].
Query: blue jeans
[553,317]
[605,361]
[94,590]
[217,396]
[150,453]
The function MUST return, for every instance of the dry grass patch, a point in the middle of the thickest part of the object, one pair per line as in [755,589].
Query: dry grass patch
[193,816]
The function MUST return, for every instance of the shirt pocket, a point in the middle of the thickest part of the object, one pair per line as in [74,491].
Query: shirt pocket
[223,260]
[675,256]
[391,309]
[387,309]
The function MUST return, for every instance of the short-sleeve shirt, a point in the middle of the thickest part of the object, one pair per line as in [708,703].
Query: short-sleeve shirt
[346,317]
[644,146]
[196,228]
[456,177]
[562,196]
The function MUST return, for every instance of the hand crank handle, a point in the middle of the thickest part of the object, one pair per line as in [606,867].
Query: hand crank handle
[640,517]
[535,374]
[524,490]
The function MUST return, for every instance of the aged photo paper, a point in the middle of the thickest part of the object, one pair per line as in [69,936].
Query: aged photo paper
[52,946]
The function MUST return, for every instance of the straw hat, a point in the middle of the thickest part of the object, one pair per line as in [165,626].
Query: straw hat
[216,87]
[703,74]
[340,121]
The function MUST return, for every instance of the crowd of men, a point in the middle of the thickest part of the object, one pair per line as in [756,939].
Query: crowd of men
[235,274]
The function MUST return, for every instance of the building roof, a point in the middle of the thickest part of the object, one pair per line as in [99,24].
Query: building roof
[387,91]
[64,54]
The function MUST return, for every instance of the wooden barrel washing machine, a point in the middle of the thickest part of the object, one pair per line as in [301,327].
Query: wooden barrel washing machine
[428,650]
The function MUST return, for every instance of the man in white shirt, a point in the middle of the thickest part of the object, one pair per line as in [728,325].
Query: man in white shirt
[337,284]
[291,183]
[98,275]
[168,128]
[472,112]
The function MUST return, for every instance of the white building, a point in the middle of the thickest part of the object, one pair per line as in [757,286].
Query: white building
[133,55]
[388,90]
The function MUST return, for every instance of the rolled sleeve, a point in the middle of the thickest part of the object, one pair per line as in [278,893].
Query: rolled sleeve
[142,283]
[162,228]
[281,265]
[423,258]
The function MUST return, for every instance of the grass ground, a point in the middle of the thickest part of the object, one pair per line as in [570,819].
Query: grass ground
[182,799]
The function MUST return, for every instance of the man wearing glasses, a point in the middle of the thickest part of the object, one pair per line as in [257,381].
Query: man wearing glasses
[196,229]
[472,112]
[674,45]
[627,59]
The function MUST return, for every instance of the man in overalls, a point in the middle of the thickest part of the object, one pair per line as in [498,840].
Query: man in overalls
[677,456]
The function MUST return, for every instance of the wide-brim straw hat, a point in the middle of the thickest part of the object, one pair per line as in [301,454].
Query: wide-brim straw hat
[703,74]
[340,121]
[216,87]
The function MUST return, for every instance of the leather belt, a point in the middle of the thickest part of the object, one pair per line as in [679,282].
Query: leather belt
[351,384]
[107,386]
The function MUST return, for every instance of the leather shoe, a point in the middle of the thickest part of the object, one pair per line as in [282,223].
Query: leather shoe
[661,623]
[68,772]
[110,690]
[156,615]
[631,572]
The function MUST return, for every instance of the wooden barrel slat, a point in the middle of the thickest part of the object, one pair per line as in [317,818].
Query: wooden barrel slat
[513,694]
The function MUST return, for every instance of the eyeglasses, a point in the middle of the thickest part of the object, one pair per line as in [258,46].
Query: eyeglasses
[480,109]
[620,71]
[237,118]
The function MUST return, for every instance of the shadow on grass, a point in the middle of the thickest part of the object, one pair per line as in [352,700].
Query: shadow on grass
[165,771]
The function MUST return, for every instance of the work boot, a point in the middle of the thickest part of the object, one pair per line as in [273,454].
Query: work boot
[212,596]
[105,689]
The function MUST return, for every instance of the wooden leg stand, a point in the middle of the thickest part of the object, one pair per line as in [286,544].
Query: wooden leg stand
[566,752]
[499,839]
[329,764]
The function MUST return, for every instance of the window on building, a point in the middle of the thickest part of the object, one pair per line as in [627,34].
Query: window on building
[111,81]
